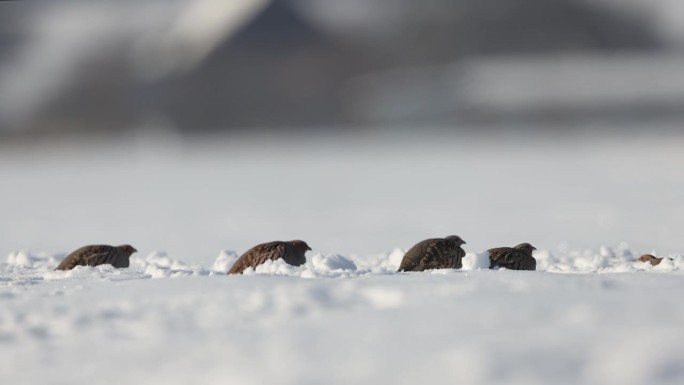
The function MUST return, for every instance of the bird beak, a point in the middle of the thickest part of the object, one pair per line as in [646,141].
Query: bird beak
[135,250]
[308,248]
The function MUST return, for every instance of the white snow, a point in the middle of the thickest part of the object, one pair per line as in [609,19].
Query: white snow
[338,320]
[590,315]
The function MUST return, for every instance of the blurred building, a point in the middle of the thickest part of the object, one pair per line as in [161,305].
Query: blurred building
[108,68]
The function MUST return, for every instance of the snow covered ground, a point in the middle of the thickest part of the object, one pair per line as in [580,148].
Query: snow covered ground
[590,315]
[357,195]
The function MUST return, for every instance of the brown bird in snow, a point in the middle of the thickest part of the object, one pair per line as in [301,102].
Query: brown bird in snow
[652,259]
[292,252]
[435,253]
[93,255]
[513,258]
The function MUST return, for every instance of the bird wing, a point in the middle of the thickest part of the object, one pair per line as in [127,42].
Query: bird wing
[499,253]
[258,255]
[69,262]
[413,257]
[433,256]
[102,258]
[503,256]
[424,255]
[80,256]
[511,258]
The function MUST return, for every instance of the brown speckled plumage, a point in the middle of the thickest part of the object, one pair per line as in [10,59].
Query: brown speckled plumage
[291,252]
[652,259]
[436,253]
[93,255]
[513,258]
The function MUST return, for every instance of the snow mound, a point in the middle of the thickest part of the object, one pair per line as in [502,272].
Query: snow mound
[159,265]
[604,260]
[278,267]
[26,260]
[594,326]
[26,267]
[224,261]
[475,261]
[106,272]
[386,263]
[333,262]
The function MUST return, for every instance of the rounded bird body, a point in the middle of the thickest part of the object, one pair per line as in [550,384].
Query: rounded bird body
[435,253]
[94,255]
[653,260]
[513,258]
[292,252]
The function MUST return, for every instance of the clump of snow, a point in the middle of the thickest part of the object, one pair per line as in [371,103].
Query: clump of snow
[603,260]
[159,265]
[476,261]
[224,261]
[105,272]
[332,262]
[277,267]
[394,258]
[25,259]
[385,263]
[330,266]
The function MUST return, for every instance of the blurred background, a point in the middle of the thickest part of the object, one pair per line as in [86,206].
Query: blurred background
[358,125]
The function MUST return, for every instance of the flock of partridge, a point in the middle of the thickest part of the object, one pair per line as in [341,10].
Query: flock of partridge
[434,253]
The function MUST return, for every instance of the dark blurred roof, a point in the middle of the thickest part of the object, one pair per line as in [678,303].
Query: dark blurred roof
[277,24]
[278,70]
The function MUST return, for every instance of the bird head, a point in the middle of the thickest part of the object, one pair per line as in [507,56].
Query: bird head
[455,239]
[300,245]
[526,247]
[647,258]
[127,249]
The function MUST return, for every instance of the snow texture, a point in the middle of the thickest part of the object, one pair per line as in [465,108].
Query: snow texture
[586,317]
[589,315]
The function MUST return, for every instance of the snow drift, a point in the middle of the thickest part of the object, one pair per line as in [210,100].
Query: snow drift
[585,317]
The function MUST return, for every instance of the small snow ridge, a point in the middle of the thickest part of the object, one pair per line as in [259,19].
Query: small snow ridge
[224,262]
[107,272]
[159,265]
[333,262]
[277,267]
[24,259]
[476,261]
[330,266]
[603,260]
[24,267]
[394,258]
[387,263]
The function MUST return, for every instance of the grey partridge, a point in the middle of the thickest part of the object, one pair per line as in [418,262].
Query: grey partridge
[291,252]
[513,258]
[652,259]
[94,255]
[435,253]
